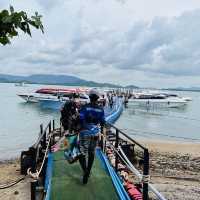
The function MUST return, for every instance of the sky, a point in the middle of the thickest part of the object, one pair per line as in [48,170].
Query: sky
[154,43]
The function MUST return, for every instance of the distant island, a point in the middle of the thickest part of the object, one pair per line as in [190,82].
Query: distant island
[57,80]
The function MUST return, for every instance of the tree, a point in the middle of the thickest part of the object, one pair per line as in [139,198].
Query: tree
[11,22]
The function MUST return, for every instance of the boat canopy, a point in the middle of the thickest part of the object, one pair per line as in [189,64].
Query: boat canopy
[61,90]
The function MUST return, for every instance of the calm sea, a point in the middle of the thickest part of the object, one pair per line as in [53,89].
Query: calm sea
[20,121]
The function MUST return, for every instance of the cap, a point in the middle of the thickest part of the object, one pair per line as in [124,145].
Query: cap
[94,94]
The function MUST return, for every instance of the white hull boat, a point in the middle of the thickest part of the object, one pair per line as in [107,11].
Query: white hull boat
[53,94]
[36,97]
[158,103]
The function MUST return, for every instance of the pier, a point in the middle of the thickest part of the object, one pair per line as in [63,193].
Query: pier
[116,154]
[58,178]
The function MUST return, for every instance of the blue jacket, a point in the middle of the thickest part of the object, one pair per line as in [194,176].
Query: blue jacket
[90,117]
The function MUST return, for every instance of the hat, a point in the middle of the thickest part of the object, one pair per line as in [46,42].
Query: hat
[94,94]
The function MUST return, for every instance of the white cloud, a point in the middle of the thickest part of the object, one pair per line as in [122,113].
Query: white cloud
[112,41]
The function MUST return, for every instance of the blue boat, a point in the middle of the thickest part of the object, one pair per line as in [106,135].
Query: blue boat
[54,104]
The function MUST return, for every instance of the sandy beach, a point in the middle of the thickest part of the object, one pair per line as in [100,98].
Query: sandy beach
[174,170]
[173,147]
[9,172]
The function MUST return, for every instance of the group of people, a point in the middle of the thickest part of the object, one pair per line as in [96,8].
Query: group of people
[84,121]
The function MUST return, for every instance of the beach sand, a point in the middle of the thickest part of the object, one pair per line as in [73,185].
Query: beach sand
[9,172]
[174,170]
[173,147]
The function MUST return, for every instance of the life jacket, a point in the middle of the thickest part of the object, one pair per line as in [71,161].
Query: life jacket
[133,192]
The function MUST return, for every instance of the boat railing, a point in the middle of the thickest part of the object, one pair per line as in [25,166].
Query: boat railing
[124,148]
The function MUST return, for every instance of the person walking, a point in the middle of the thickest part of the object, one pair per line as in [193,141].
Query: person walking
[91,116]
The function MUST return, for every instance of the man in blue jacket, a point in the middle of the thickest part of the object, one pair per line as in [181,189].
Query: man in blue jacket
[91,116]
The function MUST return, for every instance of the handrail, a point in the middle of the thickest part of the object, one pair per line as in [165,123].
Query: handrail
[137,173]
[128,137]
[42,133]
[145,156]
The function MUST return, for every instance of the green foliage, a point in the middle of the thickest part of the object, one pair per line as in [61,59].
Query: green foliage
[11,22]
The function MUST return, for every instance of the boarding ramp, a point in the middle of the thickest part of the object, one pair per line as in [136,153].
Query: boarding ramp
[57,179]
[67,181]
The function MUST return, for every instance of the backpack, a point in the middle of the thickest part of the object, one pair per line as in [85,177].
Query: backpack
[70,116]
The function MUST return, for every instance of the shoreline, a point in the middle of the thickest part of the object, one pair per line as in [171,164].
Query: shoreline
[173,146]
[180,147]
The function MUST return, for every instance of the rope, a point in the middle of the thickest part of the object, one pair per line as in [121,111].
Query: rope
[134,170]
[4,186]
[37,173]
[125,160]
[29,173]
[145,178]
[142,178]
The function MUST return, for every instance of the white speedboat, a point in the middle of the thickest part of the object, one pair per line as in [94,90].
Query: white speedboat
[21,84]
[50,94]
[44,93]
[153,101]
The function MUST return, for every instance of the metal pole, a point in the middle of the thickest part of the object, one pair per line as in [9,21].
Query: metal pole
[101,138]
[116,147]
[60,129]
[33,190]
[41,129]
[53,124]
[50,127]
[50,144]
[44,140]
[146,173]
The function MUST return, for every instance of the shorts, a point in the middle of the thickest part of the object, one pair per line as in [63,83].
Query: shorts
[87,143]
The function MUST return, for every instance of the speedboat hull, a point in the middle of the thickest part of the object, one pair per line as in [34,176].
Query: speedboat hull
[157,103]
[52,104]
[35,98]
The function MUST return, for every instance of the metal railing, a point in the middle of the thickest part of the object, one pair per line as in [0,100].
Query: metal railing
[119,138]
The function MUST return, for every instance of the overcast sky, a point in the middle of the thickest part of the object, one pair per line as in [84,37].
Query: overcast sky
[153,43]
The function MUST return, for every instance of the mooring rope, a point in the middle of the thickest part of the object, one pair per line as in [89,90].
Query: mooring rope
[29,173]
[37,173]
[5,186]
[145,178]
[142,178]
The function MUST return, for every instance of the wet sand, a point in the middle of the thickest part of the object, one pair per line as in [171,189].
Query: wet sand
[174,170]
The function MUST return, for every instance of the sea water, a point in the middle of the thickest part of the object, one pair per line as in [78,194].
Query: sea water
[20,121]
